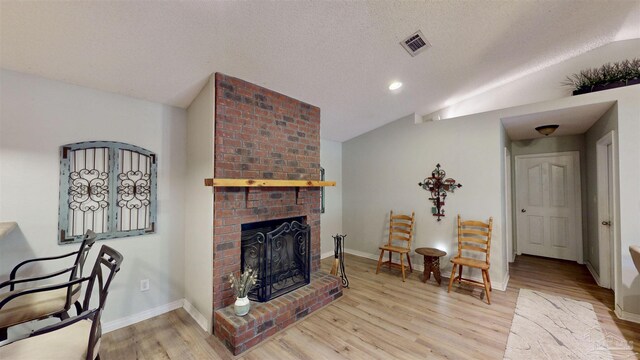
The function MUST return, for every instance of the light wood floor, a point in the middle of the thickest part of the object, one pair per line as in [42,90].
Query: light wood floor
[380,317]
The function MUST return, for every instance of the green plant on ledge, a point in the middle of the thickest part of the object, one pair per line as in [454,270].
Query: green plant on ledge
[607,76]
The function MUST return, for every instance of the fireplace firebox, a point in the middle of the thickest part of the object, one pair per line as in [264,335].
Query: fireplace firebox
[280,251]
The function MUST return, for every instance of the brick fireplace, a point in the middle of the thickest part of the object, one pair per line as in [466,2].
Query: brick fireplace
[278,251]
[261,134]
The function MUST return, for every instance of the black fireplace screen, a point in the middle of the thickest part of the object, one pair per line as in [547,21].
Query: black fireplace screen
[280,251]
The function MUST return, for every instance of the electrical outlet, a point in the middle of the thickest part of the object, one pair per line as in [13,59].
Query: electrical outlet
[144,285]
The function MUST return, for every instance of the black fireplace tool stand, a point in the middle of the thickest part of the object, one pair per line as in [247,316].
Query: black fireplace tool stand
[338,262]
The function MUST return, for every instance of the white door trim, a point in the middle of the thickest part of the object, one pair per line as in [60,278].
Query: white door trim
[508,206]
[577,192]
[606,249]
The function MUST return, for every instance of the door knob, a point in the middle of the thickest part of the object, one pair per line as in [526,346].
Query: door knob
[523,210]
[606,223]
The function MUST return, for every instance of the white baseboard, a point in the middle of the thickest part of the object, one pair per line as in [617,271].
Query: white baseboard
[141,316]
[327,254]
[362,254]
[593,273]
[624,315]
[502,286]
[157,311]
[197,316]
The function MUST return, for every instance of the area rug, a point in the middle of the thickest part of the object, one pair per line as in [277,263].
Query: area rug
[552,327]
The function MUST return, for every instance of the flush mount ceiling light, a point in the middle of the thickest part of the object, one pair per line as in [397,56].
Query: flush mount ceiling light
[395,85]
[547,130]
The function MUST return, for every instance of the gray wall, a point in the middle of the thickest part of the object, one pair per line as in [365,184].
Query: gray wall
[505,143]
[37,116]
[331,220]
[607,123]
[382,169]
[627,195]
[547,145]
[198,243]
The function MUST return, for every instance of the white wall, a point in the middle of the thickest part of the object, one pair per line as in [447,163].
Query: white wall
[607,123]
[198,215]
[37,116]
[549,144]
[382,168]
[542,85]
[331,220]
[628,279]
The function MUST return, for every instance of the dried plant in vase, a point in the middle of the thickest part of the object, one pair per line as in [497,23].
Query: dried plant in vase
[241,287]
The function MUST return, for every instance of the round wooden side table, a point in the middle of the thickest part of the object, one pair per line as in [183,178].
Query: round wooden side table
[431,263]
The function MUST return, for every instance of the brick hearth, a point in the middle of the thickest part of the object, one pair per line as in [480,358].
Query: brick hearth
[265,319]
[261,134]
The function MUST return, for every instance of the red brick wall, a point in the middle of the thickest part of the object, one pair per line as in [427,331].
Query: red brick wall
[260,134]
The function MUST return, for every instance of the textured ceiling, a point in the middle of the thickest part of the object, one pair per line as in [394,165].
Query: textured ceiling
[340,56]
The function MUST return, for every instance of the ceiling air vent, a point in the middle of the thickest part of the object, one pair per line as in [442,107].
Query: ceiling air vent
[416,43]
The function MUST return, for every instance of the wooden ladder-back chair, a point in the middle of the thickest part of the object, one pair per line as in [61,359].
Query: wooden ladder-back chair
[78,337]
[38,305]
[400,233]
[473,236]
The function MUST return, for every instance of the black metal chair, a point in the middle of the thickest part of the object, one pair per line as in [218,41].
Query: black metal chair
[77,337]
[42,304]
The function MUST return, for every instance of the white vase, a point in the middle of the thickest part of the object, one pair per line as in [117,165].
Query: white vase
[242,306]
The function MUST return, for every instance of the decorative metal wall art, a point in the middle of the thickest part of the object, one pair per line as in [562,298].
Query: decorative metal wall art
[438,186]
[338,262]
[134,190]
[108,187]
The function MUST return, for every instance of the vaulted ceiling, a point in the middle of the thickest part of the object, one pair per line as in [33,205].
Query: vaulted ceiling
[340,56]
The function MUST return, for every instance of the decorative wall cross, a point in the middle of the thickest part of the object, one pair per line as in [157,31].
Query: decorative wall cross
[438,186]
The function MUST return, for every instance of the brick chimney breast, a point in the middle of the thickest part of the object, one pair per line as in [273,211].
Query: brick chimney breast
[260,134]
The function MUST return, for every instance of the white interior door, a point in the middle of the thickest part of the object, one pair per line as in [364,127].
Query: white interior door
[548,205]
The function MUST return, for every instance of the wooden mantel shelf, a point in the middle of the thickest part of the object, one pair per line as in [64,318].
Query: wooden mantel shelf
[266,183]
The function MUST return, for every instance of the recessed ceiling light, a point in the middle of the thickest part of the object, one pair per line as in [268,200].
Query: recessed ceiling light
[395,85]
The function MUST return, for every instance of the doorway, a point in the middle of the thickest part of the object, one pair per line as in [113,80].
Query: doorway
[549,206]
[605,163]
[511,254]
